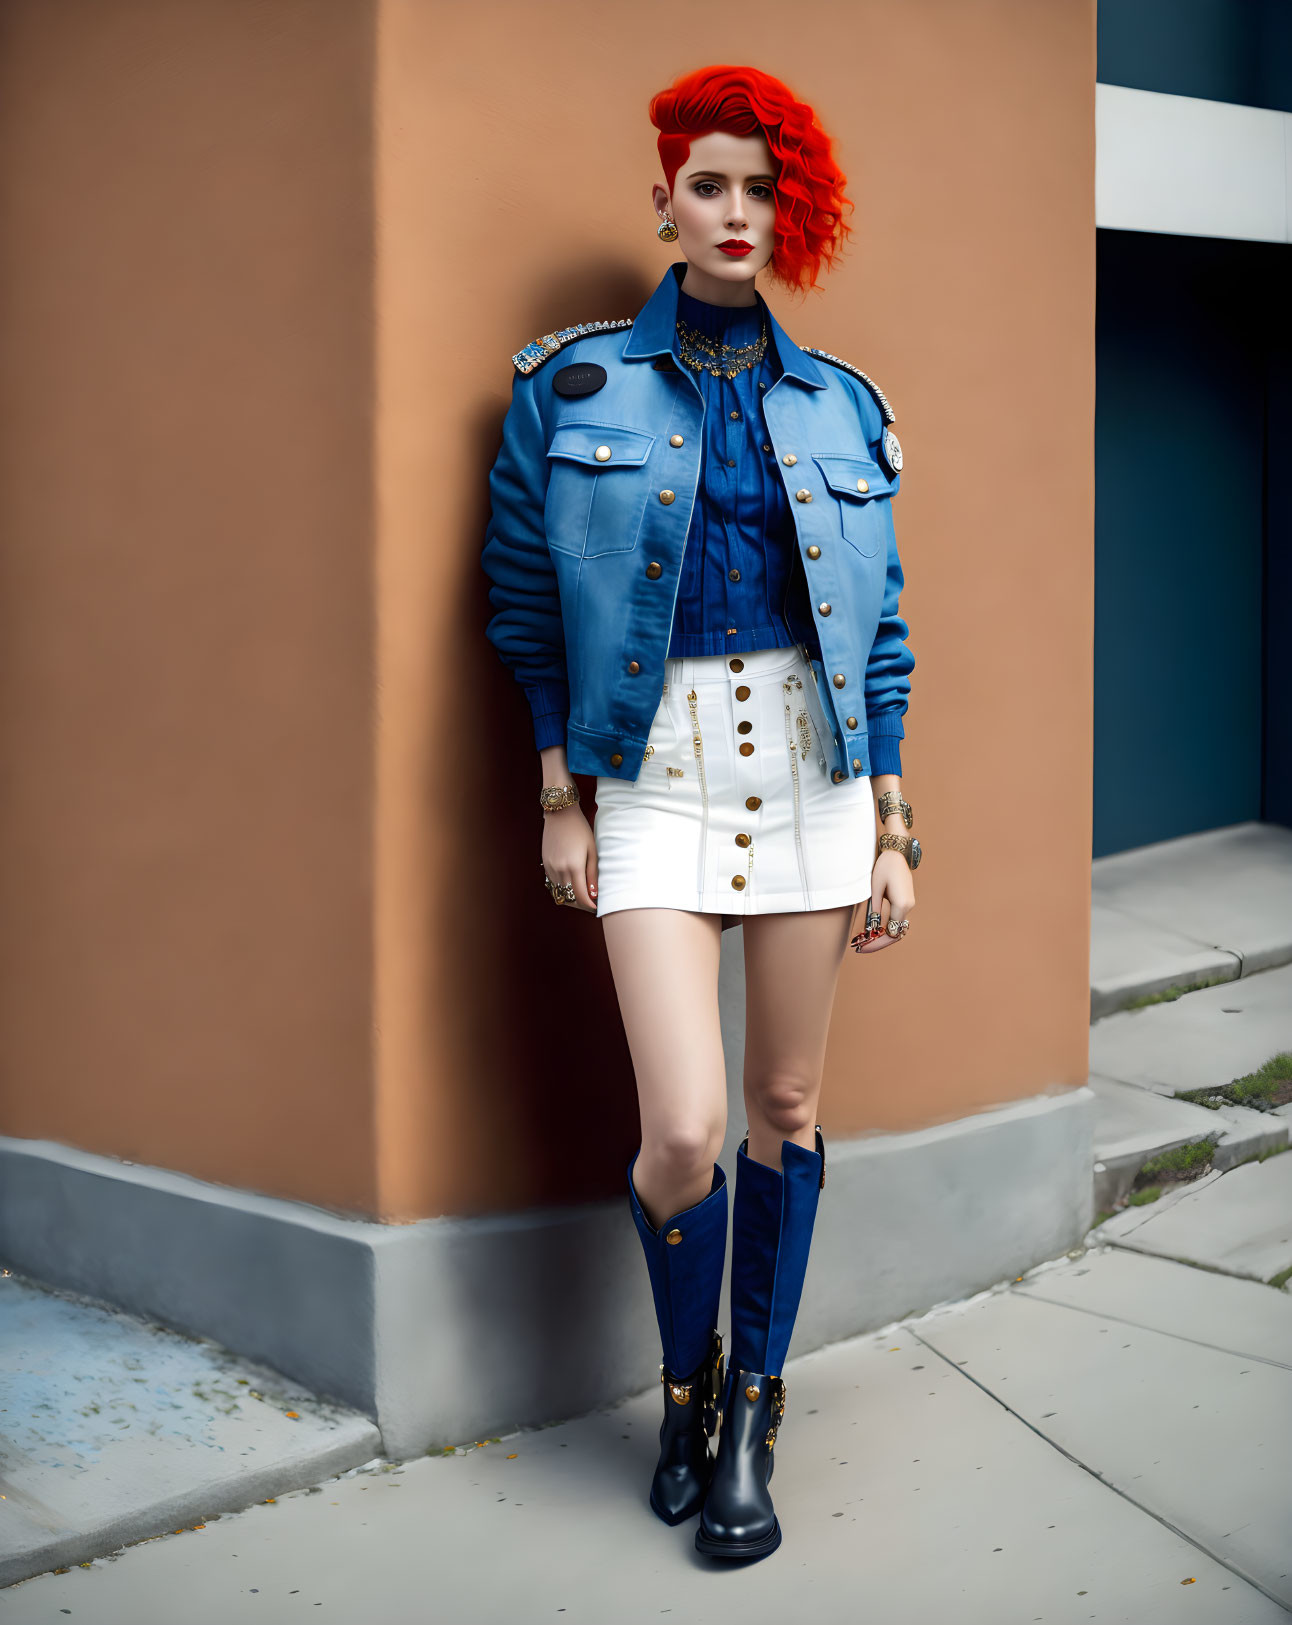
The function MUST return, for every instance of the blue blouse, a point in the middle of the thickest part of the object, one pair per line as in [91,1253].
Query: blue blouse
[742,584]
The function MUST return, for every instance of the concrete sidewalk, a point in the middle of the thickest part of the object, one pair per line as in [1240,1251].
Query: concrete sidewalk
[1209,907]
[112,1428]
[1103,1439]
[1203,1040]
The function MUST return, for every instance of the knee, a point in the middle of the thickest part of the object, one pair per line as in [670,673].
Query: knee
[684,1150]
[787,1101]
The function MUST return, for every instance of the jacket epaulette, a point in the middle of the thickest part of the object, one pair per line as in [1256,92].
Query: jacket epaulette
[824,355]
[537,351]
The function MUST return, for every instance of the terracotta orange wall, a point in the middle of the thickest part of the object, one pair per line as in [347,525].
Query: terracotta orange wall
[187,650]
[280,890]
[515,163]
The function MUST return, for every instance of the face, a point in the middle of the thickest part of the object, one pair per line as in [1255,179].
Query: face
[725,192]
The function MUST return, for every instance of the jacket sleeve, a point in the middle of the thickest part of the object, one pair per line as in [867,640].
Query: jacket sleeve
[888,672]
[526,627]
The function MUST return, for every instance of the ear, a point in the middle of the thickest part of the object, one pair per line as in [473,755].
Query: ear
[660,199]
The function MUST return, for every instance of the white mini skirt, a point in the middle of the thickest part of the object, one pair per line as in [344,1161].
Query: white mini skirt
[733,811]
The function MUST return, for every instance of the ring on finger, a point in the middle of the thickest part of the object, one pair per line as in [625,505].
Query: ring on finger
[562,891]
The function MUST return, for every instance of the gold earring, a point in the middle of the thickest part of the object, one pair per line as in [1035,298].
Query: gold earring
[666,231]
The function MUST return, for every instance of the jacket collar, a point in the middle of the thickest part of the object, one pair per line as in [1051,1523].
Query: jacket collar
[654,332]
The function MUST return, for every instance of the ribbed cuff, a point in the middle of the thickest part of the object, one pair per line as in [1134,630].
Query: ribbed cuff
[885,731]
[885,754]
[549,704]
[549,729]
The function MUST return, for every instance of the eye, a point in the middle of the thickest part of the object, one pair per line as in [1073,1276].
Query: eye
[759,189]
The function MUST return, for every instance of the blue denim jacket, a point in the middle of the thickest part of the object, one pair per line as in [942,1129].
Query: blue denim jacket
[591,499]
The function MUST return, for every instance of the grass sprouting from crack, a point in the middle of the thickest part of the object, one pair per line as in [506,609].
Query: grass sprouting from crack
[1269,1086]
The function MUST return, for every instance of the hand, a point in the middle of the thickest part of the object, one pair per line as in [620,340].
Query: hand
[892,893]
[570,853]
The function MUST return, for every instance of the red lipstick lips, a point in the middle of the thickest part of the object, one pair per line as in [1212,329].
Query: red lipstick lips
[736,248]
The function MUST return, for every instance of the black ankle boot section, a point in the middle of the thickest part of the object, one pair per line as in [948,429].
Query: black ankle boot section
[685,1464]
[738,1518]
[773,1217]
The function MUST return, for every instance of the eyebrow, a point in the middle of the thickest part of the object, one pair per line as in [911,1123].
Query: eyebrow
[717,175]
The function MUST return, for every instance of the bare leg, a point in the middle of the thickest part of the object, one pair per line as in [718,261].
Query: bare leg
[792,963]
[665,965]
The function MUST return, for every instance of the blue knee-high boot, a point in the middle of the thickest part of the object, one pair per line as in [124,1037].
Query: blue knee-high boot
[772,1218]
[685,1258]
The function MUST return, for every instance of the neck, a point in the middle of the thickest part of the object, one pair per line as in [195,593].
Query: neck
[717,290]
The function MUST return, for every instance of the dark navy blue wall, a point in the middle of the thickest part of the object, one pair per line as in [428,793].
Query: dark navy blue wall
[1277,801]
[1191,700]
[1224,50]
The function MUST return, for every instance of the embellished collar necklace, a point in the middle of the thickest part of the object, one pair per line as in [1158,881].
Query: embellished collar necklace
[702,350]
[722,360]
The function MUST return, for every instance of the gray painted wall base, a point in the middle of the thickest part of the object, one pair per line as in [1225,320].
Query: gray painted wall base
[450,1329]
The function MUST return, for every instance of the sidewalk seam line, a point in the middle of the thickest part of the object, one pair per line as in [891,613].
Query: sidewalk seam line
[1189,1263]
[1122,1320]
[1224,1562]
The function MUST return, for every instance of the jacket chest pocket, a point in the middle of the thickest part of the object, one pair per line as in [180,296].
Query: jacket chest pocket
[857,486]
[596,489]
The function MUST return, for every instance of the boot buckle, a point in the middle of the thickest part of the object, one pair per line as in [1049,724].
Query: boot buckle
[681,1391]
[778,1409]
[713,1384]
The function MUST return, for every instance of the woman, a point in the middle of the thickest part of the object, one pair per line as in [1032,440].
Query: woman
[695,580]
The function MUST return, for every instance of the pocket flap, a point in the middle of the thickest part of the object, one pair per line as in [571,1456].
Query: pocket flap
[849,475]
[619,447]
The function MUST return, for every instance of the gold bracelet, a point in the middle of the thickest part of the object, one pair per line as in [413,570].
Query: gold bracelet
[907,845]
[894,801]
[554,796]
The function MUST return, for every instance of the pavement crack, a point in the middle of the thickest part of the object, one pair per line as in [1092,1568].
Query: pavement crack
[1217,1556]
[1143,1326]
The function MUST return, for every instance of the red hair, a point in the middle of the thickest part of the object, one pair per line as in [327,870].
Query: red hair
[810,199]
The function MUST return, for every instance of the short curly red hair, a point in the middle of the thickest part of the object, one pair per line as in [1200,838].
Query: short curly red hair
[810,229]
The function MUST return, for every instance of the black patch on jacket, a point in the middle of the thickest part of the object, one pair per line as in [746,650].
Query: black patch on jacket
[580,378]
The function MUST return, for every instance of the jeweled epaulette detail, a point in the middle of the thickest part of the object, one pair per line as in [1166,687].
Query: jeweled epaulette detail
[537,351]
[824,355]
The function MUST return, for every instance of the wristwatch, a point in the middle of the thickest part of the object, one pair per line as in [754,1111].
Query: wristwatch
[908,845]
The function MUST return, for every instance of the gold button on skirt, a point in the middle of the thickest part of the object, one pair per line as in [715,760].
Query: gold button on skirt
[683,834]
